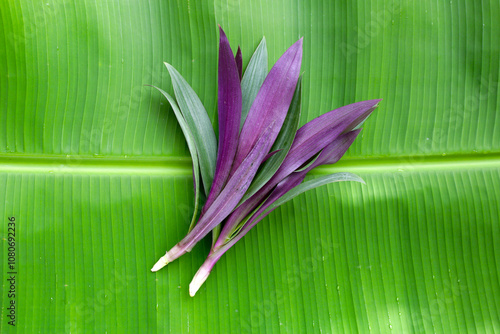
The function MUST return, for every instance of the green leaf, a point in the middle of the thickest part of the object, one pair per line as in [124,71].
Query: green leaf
[308,185]
[254,76]
[308,163]
[282,144]
[199,124]
[215,233]
[96,171]
[192,150]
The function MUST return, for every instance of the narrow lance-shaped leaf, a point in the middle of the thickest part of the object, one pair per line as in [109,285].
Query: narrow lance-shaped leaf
[271,103]
[289,187]
[192,150]
[199,123]
[286,190]
[252,80]
[302,188]
[202,274]
[282,144]
[310,139]
[225,202]
[319,133]
[329,155]
[229,111]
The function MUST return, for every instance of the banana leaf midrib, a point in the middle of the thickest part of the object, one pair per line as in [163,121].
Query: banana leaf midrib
[178,165]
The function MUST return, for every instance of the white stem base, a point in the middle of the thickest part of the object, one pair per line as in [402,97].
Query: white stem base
[171,255]
[162,262]
[198,280]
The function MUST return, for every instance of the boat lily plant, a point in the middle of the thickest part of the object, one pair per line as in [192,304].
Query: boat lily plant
[261,157]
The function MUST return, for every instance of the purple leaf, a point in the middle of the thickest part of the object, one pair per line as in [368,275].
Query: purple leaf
[336,150]
[229,108]
[330,154]
[239,62]
[272,102]
[270,154]
[315,135]
[309,140]
[226,201]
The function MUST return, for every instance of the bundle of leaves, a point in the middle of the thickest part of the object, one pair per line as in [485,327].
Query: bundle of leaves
[262,156]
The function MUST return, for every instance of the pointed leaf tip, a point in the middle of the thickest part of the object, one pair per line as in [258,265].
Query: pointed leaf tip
[199,123]
[272,101]
[239,62]
[253,78]
[300,42]
[222,33]
[229,104]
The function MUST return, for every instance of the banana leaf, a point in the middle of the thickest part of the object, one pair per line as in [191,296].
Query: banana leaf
[95,170]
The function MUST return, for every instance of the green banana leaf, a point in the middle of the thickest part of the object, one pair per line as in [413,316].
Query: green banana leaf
[96,173]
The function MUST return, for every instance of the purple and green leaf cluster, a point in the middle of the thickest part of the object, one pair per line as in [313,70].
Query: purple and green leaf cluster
[262,156]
